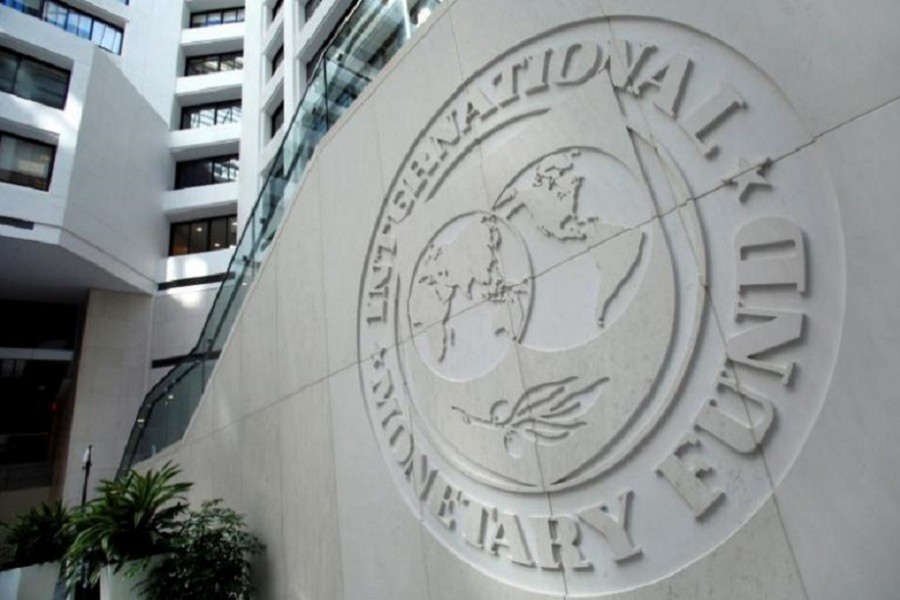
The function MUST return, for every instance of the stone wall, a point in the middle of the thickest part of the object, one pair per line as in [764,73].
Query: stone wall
[582,298]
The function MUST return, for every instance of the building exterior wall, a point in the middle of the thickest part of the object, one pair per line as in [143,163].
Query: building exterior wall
[112,375]
[120,216]
[289,430]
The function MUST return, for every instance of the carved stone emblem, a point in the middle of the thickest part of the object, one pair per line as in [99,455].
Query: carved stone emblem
[588,300]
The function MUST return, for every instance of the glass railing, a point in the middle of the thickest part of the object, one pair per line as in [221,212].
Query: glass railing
[369,35]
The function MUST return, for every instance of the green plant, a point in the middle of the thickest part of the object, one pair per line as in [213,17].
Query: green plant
[41,535]
[135,517]
[210,558]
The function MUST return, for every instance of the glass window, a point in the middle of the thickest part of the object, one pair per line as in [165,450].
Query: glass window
[199,237]
[218,233]
[217,17]
[228,113]
[206,171]
[277,119]
[207,115]
[58,14]
[25,162]
[79,24]
[203,235]
[310,8]
[230,16]
[179,239]
[225,170]
[38,81]
[232,231]
[277,59]
[107,37]
[313,63]
[9,64]
[29,7]
[192,173]
[214,63]
[204,117]
[232,62]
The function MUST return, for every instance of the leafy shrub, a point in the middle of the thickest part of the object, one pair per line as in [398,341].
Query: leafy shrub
[41,535]
[209,560]
[135,517]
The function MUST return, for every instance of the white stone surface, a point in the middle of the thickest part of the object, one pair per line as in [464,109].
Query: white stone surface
[808,48]
[301,336]
[370,507]
[797,494]
[843,476]
[258,363]
[312,549]
[262,496]
[350,187]
[112,374]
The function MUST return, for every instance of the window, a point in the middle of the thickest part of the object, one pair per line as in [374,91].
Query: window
[276,119]
[105,35]
[206,171]
[29,7]
[217,17]
[203,235]
[214,63]
[277,59]
[33,79]
[25,162]
[193,117]
[310,8]
[276,8]
[313,63]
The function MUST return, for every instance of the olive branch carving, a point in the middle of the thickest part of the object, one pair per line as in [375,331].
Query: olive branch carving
[545,414]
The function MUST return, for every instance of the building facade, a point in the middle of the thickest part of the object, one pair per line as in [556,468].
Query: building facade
[126,147]
[532,300]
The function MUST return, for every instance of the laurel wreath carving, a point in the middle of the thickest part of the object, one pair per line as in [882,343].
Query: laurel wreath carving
[545,414]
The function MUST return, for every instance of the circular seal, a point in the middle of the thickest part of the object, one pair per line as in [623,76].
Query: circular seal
[592,337]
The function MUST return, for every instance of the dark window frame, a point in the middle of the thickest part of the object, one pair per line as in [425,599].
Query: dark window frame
[24,57]
[220,57]
[214,106]
[276,8]
[312,63]
[309,9]
[277,115]
[221,14]
[48,181]
[74,27]
[230,234]
[277,59]
[183,167]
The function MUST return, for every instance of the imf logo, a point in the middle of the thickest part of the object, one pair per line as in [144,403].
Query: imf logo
[588,302]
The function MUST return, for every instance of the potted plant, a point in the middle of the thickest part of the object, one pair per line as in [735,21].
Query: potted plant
[134,519]
[209,558]
[35,544]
